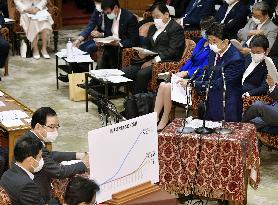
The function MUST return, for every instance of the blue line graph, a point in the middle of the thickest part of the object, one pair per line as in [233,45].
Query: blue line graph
[144,131]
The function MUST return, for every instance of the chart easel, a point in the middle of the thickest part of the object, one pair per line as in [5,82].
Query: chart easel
[133,193]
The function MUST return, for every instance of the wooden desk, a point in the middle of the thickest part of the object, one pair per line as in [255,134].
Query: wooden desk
[8,135]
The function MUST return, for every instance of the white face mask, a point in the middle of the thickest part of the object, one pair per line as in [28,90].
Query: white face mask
[98,7]
[214,48]
[230,1]
[51,136]
[256,21]
[257,58]
[111,16]
[39,167]
[158,23]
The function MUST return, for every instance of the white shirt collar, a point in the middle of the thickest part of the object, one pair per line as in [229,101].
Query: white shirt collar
[38,137]
[29,173]
[249,70]
[261,24]
[119,15]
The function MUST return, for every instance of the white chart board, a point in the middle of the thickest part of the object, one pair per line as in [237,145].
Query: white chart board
[124,155]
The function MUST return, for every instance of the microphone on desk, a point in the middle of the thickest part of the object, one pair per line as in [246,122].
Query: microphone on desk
[193,76]
[222,130]
[204,129]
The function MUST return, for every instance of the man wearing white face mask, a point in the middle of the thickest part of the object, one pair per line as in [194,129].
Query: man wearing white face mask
[18,180]
[95,28]
[254,77]
[45,126]
[233,15]
[260,23]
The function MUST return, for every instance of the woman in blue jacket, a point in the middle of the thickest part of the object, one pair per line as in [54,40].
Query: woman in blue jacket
[199,59]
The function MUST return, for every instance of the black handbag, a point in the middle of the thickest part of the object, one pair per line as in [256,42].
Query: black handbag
[138,105]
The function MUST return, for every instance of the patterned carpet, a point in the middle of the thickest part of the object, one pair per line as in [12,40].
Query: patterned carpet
[33,83]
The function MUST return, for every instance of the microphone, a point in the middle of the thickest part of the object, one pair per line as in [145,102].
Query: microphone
[204,73]
[194,75]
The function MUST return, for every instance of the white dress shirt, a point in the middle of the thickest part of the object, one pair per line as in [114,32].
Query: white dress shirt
[116,24]
[228,10]
[29,173]
[156,34]
[249,70]
[258,28]
[221,55]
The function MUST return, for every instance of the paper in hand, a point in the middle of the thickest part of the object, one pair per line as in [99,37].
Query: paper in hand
[236,44]
[144,51]
[107,40]
[272,70]
[178,92]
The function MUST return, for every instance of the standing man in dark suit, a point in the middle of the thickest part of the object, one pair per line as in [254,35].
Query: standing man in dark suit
[254,76]
[233,15]
[95,28]
[45,126]
[119,23]
[179,5]
[18,180]
[263,114]
[166,38]
[195,11]
[223,55]
[4,45]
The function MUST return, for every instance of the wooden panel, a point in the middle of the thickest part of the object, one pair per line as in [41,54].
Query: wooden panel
[138,7]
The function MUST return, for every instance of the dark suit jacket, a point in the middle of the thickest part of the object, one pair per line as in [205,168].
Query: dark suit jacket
[180,7]
[95,21]
[53,169]
[169,44]
[128,28]
[255,82]
[235,20]
[193,14]
[21,188]
[233,64]
[2,20]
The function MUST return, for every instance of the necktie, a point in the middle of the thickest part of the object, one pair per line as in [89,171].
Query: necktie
[217,59]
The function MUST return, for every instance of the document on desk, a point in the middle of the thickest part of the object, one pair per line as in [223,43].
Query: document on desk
[104,73]
[199,123]
[144,51]
[271,68]
[178,93]
[117,79]
[12,122]
[79,59]
[12,115]
[107,40]
[75,52]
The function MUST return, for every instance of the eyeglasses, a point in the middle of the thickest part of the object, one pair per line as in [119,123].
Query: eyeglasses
[53,126]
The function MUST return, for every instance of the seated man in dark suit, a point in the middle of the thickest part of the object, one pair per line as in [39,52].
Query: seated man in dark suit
[261,114]
[119,23]
[254,76]
[166,38]
[44,126]
[18,180]
[223,56]
[233,14]
[195,11]
[4,7]
[81,191]
[4,45]
[94,28]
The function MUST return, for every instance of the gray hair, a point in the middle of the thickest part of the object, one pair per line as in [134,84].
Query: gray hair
[262,6]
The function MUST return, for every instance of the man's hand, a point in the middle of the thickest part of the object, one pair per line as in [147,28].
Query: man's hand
[148,64]
[270,81]
[245,51]
[255,32]
[76,43]
[96,34]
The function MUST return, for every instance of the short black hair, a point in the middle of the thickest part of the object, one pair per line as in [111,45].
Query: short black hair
[206,22]
[216,29]
[161,7]
[109,4]
[79,190]
[40,116]
[27,146]
[259,41]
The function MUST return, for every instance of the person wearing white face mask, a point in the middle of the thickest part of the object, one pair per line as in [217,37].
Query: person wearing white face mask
[223,55]
[165,37]
[254,77]
[233,15]
[44,126]
[95,29]
[18,180]
[260,23]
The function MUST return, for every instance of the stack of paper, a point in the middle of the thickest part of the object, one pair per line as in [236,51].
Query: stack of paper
[117,79]
[107,40]
[75,52]
[104,73]
[12,118]
[272,70]
[144,51]
[199,123]
[40,15]
[178,93]
[79,59]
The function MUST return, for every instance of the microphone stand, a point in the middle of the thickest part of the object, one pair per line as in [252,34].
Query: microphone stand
[204,129]
[183,129]
[223,130]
